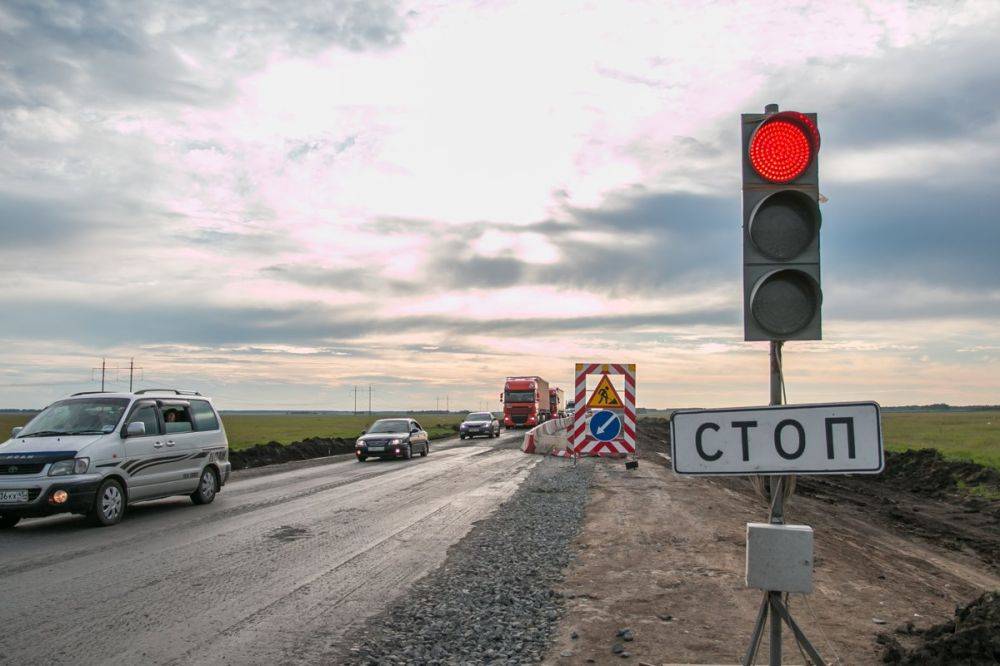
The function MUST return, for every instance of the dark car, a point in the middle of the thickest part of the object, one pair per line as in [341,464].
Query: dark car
[392,438]
[482,424]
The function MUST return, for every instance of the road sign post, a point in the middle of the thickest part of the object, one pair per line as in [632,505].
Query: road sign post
[778,441]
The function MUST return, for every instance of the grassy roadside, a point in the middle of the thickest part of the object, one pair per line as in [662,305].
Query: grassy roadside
[971,436]
[245,430]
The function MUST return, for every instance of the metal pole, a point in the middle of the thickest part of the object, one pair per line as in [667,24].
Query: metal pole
[103,361]
[131,371]
[369,399]
[777,510]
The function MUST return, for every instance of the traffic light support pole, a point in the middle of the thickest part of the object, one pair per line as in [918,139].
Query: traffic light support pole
[772,607]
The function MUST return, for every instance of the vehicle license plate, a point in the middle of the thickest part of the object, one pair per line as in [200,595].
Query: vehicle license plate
[13,495]
[376,448]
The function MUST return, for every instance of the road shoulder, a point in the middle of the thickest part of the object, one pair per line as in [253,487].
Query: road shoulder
[663,556]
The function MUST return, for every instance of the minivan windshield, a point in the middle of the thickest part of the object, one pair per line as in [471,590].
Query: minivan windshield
[86,416]
[390,425]
[479,416]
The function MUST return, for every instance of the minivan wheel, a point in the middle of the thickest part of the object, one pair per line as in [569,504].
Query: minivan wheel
[7,521]
[409,451]
[109,504]
[208,486]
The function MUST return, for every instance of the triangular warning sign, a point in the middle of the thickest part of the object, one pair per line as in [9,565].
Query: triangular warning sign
[605,396]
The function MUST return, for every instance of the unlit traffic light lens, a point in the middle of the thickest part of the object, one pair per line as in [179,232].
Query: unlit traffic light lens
[784,225]
[782,147]
[785,302]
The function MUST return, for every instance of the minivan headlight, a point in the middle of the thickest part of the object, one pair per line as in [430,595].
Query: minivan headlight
[67,467]
[398,440]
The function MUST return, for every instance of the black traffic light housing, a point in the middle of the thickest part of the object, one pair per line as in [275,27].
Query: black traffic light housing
[782,294]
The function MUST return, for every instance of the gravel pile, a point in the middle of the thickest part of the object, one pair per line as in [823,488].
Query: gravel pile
[492,602]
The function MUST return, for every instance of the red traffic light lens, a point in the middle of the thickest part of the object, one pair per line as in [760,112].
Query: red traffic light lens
[782,146]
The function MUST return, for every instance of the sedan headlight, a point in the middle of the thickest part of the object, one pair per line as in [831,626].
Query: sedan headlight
[67,467]
[398,440]
[360,442]
[464,426]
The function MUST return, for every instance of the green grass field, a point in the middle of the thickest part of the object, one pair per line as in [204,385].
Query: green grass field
[245,430]
[971,436]
[958,435]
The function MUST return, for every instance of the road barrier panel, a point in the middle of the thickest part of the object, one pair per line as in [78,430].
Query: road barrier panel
[604,425]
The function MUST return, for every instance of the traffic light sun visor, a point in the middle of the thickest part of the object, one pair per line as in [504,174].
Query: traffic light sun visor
[783,146]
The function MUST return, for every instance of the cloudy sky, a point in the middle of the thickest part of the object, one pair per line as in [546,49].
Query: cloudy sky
[276,203]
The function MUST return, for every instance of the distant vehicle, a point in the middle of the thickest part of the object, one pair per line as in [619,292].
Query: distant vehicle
[556,407]
[570,407]
[392,438]
[525,402]
[482,424]
[96,453]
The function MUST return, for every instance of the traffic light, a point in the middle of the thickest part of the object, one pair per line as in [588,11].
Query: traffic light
[782,298]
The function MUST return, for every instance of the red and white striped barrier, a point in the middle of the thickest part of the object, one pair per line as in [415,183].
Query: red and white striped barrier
[549,438]
[580,439]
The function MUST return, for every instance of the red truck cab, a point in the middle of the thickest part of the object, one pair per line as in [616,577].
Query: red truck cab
[525,402]
[556,406]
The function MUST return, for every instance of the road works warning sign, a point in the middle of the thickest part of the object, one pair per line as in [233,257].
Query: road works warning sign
[610,430]
[605,396]
[835,438]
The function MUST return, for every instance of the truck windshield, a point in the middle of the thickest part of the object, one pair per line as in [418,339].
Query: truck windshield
[520,396]
[90,416]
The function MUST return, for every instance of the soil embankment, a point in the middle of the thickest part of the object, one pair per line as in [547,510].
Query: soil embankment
[971,637]
[920,493]
[274,453]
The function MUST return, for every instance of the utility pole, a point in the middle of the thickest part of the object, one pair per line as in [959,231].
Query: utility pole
[355,392]
[437,403]
[447,403]
[131,373]
[369,399]
[103,369]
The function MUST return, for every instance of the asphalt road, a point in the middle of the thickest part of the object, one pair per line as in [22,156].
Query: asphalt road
[276,570]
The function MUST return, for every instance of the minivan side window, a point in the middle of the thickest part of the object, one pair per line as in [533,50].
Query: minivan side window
[414,424]
[176,418]
[146,414]
[204,416]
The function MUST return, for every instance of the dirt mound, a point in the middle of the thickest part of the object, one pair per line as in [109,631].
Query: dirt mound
[973,637]
[274,452]
[653,435]
[927,472]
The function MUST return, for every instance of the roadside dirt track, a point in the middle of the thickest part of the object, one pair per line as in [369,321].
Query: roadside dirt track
[280,566]
[663,556]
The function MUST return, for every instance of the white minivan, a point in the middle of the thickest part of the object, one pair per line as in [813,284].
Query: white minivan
[95,453]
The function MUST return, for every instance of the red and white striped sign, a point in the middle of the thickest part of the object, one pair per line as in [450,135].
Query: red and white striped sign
[580,439]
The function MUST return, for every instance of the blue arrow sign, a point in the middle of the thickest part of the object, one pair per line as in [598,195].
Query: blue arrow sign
[605,425]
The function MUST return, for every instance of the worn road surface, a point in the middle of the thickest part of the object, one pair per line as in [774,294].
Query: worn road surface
[276,570]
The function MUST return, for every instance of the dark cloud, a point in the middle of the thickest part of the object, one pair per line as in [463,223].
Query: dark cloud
[106,51]
[342,279]
[34,223]
[141,322]
[943,89]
